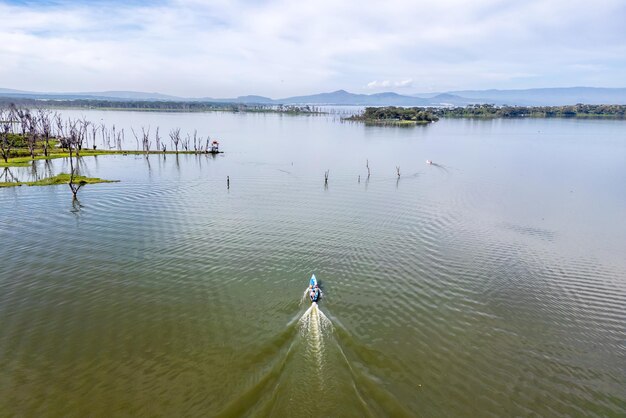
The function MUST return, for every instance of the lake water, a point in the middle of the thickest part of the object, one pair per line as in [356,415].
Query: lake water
[492,283]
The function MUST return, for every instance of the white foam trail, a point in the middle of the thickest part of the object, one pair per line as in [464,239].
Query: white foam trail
[313,323]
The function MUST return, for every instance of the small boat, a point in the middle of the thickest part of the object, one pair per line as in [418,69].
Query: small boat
[314,289]
[313,281]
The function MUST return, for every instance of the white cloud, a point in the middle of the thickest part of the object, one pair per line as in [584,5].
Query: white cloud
[387,83]
[280,48]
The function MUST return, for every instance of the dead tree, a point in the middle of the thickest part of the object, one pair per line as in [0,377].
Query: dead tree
[12,117]
[326,177]
[119,139]
[83,126]
[74,132]
[186,142]
[106,144]
[398,170]
[158,139]
[31,138]
[60,125]
[94,133]
[46,129]
[175,137]
[145,138]
[7,140]
[367,165]
[23,116]
[136,137]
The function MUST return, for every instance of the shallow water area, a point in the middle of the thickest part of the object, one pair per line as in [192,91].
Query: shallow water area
[491,283]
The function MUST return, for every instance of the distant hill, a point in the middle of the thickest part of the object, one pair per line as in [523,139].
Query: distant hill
[528,97]
[130,95]
[103,95]
[544,96]
[342,97]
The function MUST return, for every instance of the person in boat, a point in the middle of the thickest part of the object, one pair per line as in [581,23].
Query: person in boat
[315,293]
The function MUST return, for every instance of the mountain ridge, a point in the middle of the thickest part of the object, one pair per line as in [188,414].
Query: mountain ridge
[546,96]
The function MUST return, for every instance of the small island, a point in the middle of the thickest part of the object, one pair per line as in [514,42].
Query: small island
[392,115]
[62,178]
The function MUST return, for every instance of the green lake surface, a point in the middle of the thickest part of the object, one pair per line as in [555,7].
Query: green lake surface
[489,284]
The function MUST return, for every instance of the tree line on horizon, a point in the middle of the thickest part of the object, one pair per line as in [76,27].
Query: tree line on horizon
[428,114]
[181,106]
[569,111]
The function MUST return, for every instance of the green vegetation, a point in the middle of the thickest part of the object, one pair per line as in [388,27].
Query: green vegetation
[395,115]
[400,115]
[575,111]
[26,160]
[163,106]
[62,178]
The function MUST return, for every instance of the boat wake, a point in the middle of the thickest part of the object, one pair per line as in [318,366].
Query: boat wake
[313,326]
[314,322]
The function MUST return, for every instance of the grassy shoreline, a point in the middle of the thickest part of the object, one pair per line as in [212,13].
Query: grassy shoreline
[26,160]
[62,178]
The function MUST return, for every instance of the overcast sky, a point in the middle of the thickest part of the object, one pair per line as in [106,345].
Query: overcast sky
[282,48]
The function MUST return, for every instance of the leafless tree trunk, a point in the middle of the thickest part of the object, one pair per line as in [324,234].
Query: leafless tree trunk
[119,139]
[94,133]
[106,144]
[367,165]
[136,137]
[157,139]
[12,117]
[31,138]
[74,131]
[81,134]
[145,139]
[60,131]
[6,140]
[24,117]
[46,128]
[175,137]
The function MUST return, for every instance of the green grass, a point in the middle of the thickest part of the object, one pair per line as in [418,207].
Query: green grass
[25,160]
[62,178]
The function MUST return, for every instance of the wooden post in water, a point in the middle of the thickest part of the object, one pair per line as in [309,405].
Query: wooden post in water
[228,182]
[367,164]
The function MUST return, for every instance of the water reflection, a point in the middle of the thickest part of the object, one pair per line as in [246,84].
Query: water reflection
[472,293]
[8,176]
